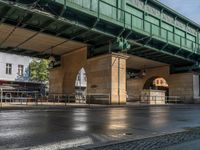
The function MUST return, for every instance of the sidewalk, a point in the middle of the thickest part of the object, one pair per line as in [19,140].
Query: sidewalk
[24,106]
[46,105]
[191,145]
[186,140]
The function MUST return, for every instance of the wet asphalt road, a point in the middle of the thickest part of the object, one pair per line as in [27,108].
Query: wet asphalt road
[60,128]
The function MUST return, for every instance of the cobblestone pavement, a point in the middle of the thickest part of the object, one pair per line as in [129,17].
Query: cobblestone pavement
[155,143]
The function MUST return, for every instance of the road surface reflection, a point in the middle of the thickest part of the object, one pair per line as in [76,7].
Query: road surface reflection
[58,129]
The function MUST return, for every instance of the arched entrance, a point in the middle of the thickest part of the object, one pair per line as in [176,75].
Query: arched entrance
[157,83]
[81,86]
[155,91]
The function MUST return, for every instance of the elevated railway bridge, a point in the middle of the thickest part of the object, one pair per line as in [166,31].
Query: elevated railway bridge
[122,44]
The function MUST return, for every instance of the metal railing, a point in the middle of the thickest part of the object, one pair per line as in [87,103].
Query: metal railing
[156,99]
[23,97]
[135,23]
[14,97]
[161,99]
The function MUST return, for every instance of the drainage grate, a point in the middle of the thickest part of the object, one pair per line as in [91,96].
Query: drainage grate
[128,133]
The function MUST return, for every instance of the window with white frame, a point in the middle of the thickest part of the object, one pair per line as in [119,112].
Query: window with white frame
[8,69]
[20,70]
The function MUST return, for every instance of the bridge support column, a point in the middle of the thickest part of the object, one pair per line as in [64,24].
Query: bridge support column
[183,85]
[107,76]
[63,78]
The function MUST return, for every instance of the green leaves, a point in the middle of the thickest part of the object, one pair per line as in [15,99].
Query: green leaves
[38,70]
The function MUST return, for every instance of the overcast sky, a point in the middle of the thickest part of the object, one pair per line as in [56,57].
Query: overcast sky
[188,8]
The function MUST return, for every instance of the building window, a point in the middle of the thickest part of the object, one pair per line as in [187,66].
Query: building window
[8,68]
[161,82]
[20,70]
[157,82]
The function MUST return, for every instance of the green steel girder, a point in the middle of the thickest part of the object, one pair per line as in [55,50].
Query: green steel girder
[151,55]
[96,26]
[155,56]
[164,49]
[180,69]
[39,27]
[94,38]
[63,9]
[173,61]
[6,11]
[136,48]
[25,19]
[63,29]
[165,52]
[144,52]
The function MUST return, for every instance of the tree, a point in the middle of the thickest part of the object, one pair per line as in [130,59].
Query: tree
[38,70]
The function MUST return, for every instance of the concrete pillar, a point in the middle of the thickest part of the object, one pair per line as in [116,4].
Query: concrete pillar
[72,64]
[185,85]
[196,85]
[107,76]
[56,80]
[62,79]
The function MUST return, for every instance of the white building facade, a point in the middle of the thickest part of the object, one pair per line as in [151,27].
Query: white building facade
[14,73]
[14,67]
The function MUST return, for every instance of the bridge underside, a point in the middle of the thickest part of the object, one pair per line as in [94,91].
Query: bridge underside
[22,41]
[24,25]
[35,44]
[78,39]
[106,73]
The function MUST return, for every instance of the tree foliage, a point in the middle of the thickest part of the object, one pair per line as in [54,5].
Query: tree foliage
[38,70]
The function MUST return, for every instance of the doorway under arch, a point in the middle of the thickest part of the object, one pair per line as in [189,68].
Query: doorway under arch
[81,86]
[157,83]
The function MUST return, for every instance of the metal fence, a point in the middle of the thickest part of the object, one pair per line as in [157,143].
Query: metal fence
[161,99]
[156,99]
[18,97]
[34,98]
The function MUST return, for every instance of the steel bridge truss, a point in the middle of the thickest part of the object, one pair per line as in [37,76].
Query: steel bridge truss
[98,31]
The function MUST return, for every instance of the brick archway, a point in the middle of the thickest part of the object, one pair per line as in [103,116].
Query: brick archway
[135,86]
[72,64]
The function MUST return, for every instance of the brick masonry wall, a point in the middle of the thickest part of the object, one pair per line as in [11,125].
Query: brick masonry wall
[185,85]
